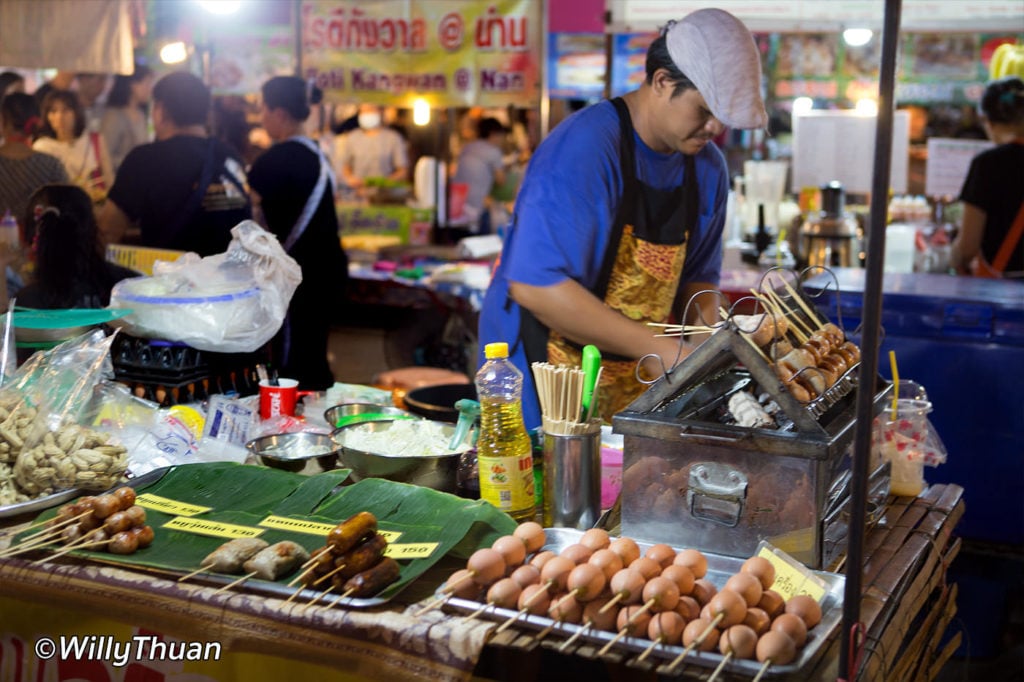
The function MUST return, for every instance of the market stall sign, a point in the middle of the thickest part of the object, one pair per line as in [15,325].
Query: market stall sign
[791,578]
[452,53]
[411,550]
[167,506]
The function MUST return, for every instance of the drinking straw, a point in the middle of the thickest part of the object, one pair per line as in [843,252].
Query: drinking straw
[895,383]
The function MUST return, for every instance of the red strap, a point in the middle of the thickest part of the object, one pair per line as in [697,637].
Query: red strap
[1009,242]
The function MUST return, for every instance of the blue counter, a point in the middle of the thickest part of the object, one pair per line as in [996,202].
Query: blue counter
[963,339]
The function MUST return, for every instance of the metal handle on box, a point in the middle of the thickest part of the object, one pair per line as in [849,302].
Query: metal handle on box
[717,493]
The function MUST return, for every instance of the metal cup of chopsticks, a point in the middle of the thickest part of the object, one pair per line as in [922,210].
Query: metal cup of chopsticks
[571,445]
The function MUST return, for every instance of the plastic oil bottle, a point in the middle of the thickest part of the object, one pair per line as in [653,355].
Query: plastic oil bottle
[504,451]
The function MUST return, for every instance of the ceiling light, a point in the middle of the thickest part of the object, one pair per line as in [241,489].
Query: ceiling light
[801,105]
[173,53]
[220,6]
[855,37]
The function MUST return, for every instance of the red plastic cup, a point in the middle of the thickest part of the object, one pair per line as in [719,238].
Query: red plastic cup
[279,400]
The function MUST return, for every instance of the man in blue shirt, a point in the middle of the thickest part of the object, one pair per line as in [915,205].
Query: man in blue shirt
[619,219]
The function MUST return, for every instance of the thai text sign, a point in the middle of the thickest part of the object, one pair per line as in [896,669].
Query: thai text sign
[450,52]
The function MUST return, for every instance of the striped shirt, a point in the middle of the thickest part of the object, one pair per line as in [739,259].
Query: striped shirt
[19,178]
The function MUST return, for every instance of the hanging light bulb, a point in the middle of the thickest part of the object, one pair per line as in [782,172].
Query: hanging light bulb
[173,53]
[855,37]
[420,111]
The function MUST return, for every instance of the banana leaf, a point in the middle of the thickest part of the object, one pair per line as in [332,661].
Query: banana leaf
[244,495]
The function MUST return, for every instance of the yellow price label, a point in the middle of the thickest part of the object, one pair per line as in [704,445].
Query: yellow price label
[411,550]
[212,528]
[791,580]
[314,527]
[168,506]
[297,525]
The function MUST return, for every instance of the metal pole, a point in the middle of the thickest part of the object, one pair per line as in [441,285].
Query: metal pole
[872,316]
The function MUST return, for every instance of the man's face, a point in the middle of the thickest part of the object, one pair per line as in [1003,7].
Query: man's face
[683,123]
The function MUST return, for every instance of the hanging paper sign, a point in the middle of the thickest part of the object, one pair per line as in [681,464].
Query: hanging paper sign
[451,53]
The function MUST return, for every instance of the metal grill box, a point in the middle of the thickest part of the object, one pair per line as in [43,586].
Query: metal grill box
[692,480]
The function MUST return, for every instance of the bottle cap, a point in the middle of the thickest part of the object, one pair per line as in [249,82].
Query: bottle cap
[496,350]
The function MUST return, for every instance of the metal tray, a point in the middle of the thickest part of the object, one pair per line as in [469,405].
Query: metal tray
[720,567]
[38,504]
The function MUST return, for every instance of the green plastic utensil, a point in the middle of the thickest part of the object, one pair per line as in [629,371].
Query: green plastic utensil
[591,366]
[469,410]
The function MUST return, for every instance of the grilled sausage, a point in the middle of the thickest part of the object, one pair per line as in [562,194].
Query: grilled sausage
[276,561]
[363,557]
[369,583]
[229,557]
[349,532]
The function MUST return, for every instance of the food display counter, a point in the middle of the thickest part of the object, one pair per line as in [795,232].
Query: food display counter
[261,638]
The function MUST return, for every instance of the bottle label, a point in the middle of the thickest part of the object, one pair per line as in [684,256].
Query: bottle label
[507,482]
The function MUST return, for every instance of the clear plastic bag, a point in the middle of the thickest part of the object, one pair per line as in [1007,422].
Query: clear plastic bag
[233,302]
[58,451]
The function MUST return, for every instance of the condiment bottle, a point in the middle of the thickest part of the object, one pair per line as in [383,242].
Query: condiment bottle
[504,451]
[9,230]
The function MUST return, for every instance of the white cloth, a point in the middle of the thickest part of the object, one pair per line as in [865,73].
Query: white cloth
[78,157]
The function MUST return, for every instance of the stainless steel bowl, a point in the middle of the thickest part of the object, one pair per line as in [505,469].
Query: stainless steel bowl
[437,472]
[296,451]
[357,413]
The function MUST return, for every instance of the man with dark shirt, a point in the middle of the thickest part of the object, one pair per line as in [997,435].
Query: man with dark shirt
[186,190]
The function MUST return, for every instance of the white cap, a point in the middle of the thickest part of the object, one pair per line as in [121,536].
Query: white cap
[717,52]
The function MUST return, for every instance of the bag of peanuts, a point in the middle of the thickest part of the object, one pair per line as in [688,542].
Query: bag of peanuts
[56,452]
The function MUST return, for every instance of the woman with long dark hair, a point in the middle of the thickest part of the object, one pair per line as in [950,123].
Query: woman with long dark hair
[125,123]
[293,191]
[82,152]
[70,271]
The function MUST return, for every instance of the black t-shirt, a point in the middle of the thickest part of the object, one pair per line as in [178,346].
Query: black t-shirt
[156,181]
[995,184]
[284,177]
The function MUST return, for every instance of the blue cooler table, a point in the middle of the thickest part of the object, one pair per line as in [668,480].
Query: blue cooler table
[963,339]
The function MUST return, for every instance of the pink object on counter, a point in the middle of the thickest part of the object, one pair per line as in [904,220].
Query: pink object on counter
[611,466]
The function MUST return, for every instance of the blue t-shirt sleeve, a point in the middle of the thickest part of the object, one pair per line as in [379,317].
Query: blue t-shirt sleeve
[567,203]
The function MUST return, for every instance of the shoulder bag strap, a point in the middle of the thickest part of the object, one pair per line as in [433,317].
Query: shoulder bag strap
[1010,242]
[196,198]
[313,201]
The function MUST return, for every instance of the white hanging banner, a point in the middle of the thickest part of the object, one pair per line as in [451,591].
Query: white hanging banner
[810,15]
[71,35]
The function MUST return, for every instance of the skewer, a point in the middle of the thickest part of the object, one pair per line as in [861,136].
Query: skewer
[749,340]
[696,642]
[293,595]
[231,584]
[432,605]
[791,314]
[621,633]
[318,596]
[23,547]
[325,576]
[471,616]
[344,595]
[49,526]
[300,576]
[504,626]
[204,567]
[612,602]
[648,650]
[807,309]
[576,635]
[70,548]
[718,670]
[762,671]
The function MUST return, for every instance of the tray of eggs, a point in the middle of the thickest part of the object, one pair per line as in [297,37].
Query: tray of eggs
[650,602]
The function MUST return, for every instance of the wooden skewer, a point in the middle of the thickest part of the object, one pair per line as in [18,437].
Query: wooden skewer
[791,314]
[811,315]
[70,548]
[718,670]
[49,526]
[318,596]
[471,616]
[204,567]
[749,340]
[695,643]
[762,671]
[609,645]
[293,595]
[433,605]
[233,583]
[344,595]
[546,631]
[576,635]
[643,609]
[23,547]
[300,576]
[648,650]
[325,576]
[612,602]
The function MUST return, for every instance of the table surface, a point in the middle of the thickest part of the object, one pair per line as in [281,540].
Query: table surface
[904,578]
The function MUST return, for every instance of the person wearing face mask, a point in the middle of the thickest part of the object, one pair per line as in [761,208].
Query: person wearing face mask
[373,151]
[618,221]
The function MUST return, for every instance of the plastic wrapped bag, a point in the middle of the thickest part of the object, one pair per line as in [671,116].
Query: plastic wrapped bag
[58,452]
[233,302]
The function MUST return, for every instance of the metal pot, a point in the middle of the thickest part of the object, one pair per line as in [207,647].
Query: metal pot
[438,402]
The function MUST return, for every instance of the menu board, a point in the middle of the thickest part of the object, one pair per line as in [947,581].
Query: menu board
[948,162]
[840,145]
